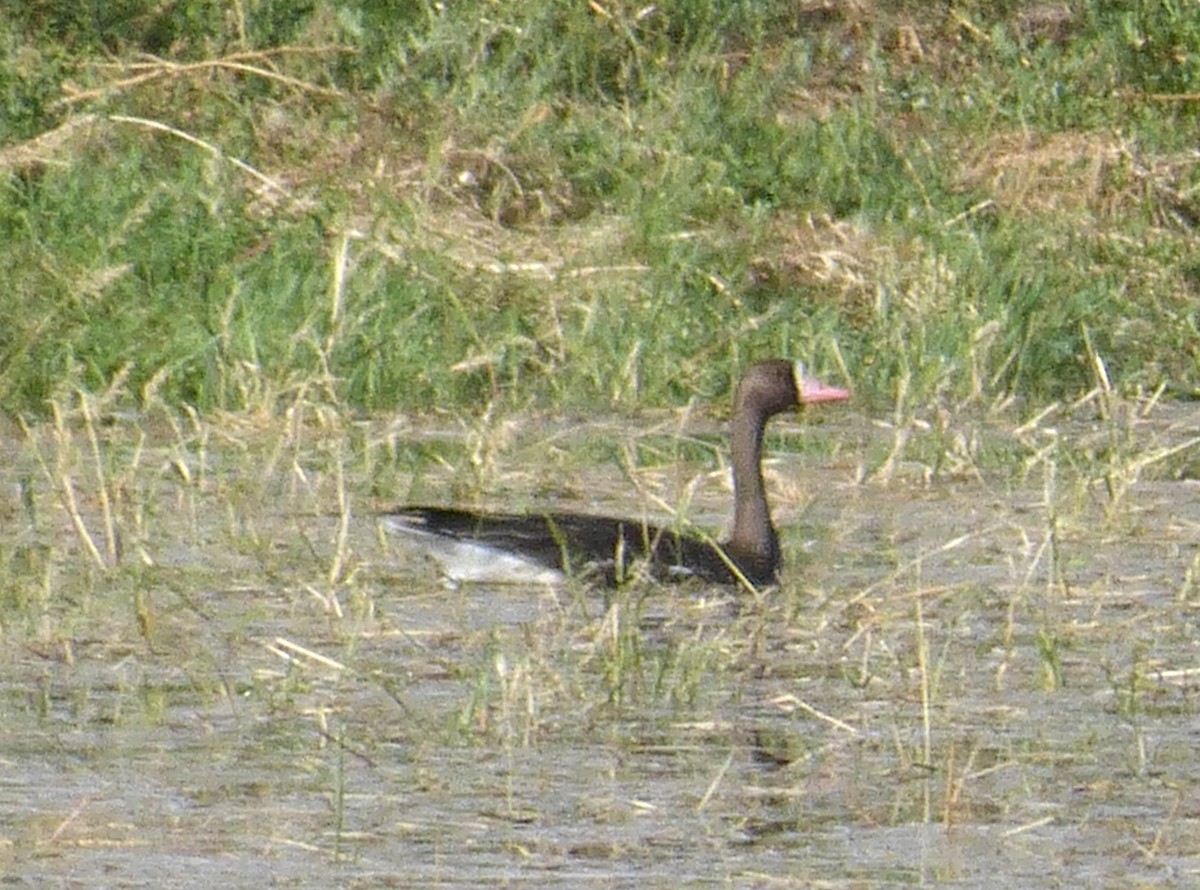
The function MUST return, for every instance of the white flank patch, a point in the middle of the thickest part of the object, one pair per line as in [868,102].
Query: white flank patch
[473,561]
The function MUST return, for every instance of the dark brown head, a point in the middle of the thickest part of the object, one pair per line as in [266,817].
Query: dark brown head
[770,387]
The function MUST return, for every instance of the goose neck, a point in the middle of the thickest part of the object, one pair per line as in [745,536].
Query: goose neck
[752,528]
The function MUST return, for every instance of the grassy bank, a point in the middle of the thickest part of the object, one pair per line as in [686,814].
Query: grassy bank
[594,205]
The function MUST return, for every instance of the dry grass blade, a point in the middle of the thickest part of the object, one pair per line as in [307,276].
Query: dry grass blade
[70,819]
[160,69]
[59,479]
[1030,826]
[71,505]
[288,651]
[715,783]
[216,152]
[790,701]
[915,563]
[106,510]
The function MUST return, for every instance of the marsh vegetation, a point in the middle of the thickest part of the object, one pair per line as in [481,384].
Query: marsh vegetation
[273,267]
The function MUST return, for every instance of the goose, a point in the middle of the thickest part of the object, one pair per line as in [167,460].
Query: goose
[549,547]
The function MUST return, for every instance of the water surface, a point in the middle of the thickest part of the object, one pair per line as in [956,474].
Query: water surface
[971,676]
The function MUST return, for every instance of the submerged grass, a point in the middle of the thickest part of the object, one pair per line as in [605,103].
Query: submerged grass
[944,670]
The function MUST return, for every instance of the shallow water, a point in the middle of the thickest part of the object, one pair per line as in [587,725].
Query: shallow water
[967,679]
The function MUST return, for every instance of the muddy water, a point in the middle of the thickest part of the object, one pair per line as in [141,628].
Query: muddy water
[972,676]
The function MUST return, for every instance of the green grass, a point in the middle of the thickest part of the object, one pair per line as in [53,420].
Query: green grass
[585,207]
